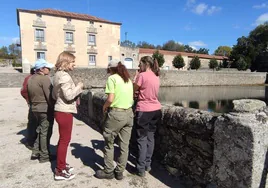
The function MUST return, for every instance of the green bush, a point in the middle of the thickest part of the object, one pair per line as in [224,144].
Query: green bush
[159,57]
[15,64]
[194,104]
[178,62]
[225,63]
[242,64]
[195,63]
[213,64]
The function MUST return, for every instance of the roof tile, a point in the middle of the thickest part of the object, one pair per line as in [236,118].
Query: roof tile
[65,14]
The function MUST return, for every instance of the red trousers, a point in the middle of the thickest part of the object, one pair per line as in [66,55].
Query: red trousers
[65,121]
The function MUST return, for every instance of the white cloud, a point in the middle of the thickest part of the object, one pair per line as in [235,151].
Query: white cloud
[189,3]
[197,44]
[193,47]
[180,43]
[213,9]
[263,5]
[261,19]
[200,8]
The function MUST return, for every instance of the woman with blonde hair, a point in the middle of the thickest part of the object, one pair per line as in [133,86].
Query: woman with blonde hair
[65,93]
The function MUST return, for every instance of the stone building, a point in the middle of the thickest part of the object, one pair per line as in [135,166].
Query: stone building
[47,32]
[169,56]
[129,56]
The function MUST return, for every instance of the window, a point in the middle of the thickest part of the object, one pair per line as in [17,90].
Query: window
[110,58]
[92,40]
[92,60]
[69,38]
[91,22]
[39,15]
[40,55]
[39,35]
[69,19]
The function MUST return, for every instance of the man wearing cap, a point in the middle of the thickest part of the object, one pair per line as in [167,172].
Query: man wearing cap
[39,93]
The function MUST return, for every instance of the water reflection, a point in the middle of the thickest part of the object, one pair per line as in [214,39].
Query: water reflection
[210,98]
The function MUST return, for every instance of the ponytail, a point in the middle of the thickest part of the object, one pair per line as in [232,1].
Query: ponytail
[155,67]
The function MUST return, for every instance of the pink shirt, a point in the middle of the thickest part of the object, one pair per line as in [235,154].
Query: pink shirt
[148,92]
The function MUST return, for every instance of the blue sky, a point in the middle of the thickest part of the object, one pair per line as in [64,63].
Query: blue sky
[198,23]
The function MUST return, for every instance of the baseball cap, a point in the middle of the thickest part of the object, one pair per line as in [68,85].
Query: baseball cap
[113,63]
[41,63]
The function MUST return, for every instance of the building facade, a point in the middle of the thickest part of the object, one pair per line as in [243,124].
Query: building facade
[169,56]
[46,33]
[129,56]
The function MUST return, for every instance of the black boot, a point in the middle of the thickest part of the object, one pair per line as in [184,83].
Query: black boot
[101,174]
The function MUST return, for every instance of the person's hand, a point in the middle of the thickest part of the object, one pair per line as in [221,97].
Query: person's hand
[81,85]
[104,109]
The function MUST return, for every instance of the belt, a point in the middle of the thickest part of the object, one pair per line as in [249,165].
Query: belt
[119,109]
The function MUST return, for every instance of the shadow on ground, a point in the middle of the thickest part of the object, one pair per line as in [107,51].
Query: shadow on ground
[52,148]
[87,155]
[91,159]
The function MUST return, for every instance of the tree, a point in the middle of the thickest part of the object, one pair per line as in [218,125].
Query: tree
[189,49]
[171,45]
[144,44]
[127,43]
[3,51]
[202,51]
[178,62]
[159,57]
[195,63]
[225,63]
[223,51]
[251,48]
[213,64]
[242,64]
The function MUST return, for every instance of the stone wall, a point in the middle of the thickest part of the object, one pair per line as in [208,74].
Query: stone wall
[6,62]
[228,150]
[11,79]
[97,78]
[185,142]
[240,146]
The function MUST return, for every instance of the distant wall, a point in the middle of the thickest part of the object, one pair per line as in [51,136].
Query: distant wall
[97,77]
[168,78]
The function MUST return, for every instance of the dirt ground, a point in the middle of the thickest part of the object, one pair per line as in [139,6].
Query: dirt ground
[84,154]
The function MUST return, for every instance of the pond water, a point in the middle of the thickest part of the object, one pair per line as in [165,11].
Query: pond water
[211,98]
